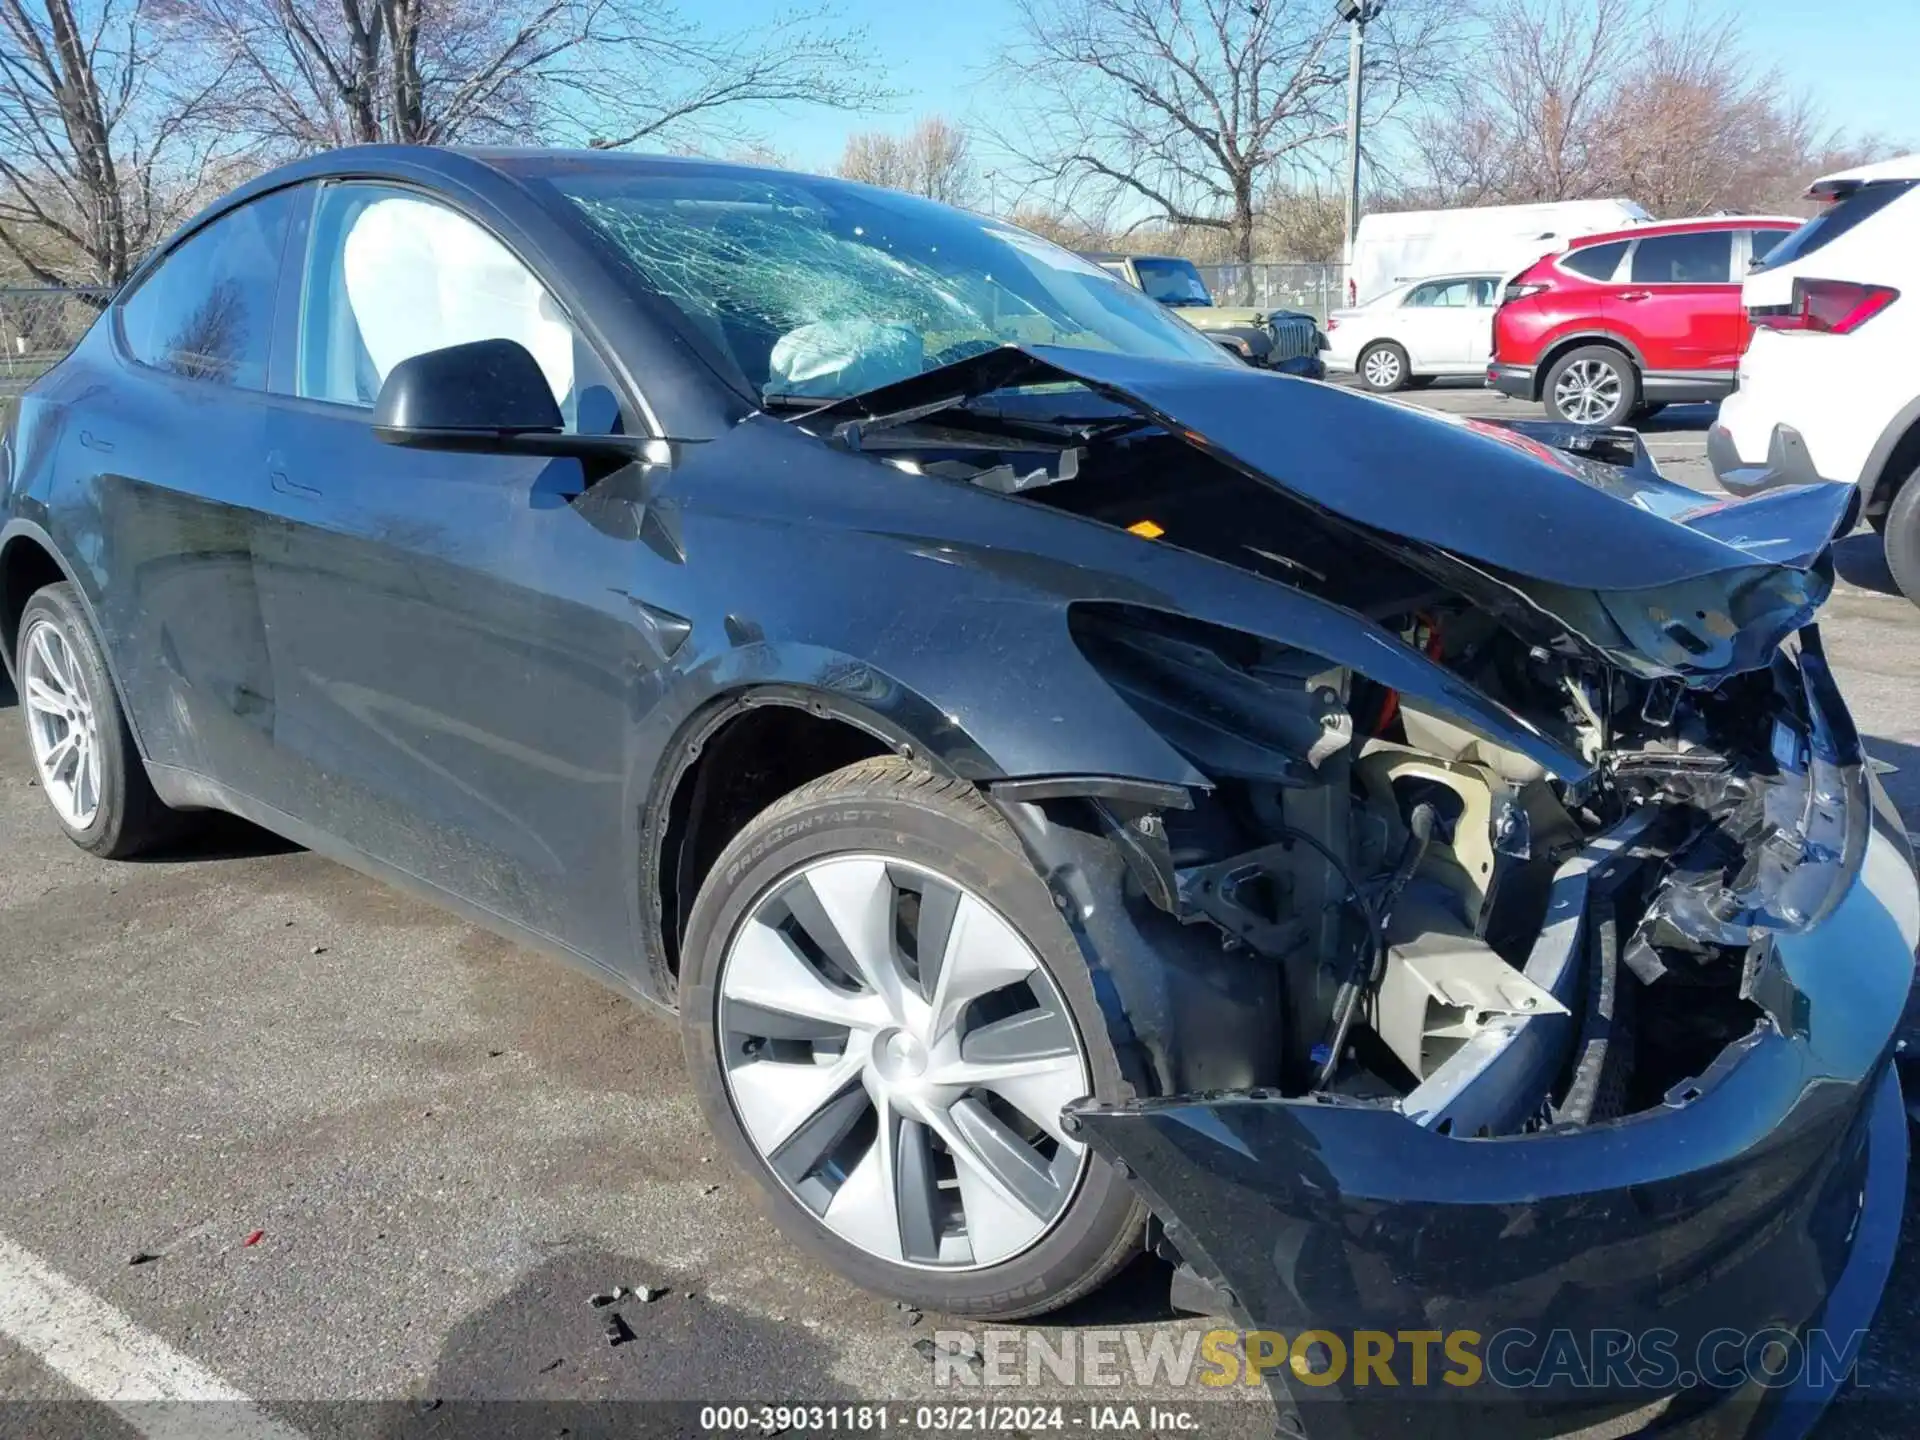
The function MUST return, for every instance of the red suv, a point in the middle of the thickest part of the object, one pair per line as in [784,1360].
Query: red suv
[1619,325]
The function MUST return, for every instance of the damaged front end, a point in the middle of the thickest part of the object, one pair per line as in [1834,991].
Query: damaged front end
[1618,1062]
[1529,965]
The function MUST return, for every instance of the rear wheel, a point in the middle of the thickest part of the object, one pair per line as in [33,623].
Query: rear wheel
[1383,367]
[884,1015]
[1902,535]
[83,750]
[1593,385]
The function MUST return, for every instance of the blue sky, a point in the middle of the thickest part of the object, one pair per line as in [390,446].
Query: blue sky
[1862,72]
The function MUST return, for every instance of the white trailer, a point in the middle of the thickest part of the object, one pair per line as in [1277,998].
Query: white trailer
[1394,248]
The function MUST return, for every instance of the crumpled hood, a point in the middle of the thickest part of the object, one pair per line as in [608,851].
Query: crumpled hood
[1659,576]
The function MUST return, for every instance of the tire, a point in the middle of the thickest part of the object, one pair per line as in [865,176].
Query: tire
[879,822]
[101,796]
[1902,536]
[1382,367]
[1610,381]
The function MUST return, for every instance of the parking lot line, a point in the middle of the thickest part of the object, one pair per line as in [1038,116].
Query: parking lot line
[102,1352]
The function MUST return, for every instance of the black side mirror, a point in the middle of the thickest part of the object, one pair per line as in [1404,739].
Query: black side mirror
[489,397]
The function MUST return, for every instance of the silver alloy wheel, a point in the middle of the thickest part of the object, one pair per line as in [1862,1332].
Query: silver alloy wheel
[60,724]
[899,1057]
[1587,391]
[1383,368]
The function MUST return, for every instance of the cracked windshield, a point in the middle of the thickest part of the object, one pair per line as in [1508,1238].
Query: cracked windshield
[819,289]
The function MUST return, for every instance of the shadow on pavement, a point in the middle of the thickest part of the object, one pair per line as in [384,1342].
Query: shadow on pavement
[216,836]
[1678,419]
[1861,559]
[1136,1296]
[7,697]
[537,1363]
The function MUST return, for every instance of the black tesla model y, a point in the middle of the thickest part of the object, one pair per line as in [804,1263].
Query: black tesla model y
[1058,775]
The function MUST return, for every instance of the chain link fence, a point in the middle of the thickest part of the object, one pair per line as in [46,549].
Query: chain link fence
[38,326]
[1279,285]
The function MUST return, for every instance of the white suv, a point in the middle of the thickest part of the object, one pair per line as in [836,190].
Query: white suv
[1828,387]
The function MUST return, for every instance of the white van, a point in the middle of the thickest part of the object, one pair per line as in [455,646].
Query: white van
[1393,249]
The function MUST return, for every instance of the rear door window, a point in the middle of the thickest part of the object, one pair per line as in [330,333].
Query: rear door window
[207,311]
[1596,262]
[1702,257]
[1837,219]
[1447,294]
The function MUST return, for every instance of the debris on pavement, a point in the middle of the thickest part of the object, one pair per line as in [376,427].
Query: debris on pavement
[927,1350]
[604,1298]
[552,1365]
[142,1257]
[910,1317]
[647,1294]
[618,1331]
[254,1239]
[319,949]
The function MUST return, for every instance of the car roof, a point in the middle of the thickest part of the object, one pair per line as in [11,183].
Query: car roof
[1900,167]
[1686,227]
[458,165]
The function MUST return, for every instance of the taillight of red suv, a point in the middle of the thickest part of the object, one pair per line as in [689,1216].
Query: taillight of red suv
[1825,307]
[1521,289]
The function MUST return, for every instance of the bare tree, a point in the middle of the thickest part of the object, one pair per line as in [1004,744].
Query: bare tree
[1302,224]
[1580,99]
[1536,116]
[1181,110]
[103,149]
[608,73]
[934,159]
[1061,228]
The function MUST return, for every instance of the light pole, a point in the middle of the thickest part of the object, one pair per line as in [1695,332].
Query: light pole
[1357,13]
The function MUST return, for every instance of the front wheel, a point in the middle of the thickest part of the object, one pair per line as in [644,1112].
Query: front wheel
[1594,385]
[884,1014]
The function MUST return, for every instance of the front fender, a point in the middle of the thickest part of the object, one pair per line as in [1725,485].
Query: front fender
[989,680]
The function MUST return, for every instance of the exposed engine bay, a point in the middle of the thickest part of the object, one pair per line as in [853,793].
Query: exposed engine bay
[1439,921]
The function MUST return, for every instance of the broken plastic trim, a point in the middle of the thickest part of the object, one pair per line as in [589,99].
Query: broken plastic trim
[1774,854]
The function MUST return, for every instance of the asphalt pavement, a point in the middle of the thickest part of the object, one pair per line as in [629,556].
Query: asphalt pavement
[345,1161]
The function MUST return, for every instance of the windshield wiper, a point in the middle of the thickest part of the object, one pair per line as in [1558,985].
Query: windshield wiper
[779,400]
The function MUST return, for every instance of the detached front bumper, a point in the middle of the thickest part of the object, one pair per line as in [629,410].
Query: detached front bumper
[1558,1280]
[1723,1251]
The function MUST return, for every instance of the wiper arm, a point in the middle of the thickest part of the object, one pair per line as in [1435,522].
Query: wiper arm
[780,400]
